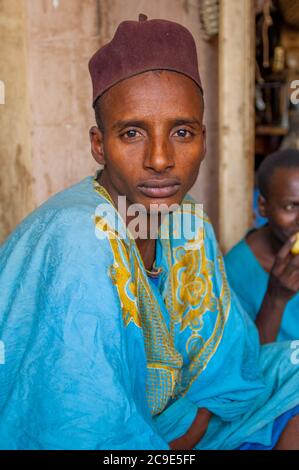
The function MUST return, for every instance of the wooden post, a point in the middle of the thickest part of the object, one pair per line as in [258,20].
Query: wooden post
[236,119]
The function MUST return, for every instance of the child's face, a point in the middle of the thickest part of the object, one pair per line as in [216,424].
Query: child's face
[282,204]
[154,139]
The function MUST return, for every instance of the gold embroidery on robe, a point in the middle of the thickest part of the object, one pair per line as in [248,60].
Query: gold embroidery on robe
[189,296]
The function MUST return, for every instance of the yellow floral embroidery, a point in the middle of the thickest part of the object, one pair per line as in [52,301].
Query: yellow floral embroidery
[190,295]
[140,307]
[193,284]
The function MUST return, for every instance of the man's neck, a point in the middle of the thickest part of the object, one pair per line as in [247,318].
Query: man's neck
[147,250]
[146,246]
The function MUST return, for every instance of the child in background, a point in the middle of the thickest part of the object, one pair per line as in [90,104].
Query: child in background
[261,268]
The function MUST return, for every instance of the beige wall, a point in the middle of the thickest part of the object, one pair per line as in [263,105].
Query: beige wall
[45,55]
[16,198]
[60,42]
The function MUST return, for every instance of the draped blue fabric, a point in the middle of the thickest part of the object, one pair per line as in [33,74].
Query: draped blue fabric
[99,357]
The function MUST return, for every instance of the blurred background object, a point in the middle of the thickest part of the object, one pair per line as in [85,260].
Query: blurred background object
[277,66]
[209,18]
[290,12]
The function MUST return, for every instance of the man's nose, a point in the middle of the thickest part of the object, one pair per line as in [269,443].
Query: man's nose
[159,154]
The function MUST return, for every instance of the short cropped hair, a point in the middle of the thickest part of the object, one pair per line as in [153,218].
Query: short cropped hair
[99,114]
[281,159]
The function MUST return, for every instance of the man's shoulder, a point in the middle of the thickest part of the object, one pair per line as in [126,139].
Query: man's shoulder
[78,196]
[68,212]
[197,209]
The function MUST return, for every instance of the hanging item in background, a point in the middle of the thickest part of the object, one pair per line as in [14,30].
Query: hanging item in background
[267,22]
[278,64]
[209,18]
[271,84]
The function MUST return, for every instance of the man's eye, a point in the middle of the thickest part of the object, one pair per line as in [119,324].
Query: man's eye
[289,207]
[131,133]
[183,133]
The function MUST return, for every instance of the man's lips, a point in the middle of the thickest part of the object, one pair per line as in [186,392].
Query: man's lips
[159,188]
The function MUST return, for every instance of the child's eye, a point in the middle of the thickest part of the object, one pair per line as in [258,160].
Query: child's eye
[183,133]
[289,207]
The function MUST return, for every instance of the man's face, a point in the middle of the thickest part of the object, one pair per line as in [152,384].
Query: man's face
[153,141]
[282,204]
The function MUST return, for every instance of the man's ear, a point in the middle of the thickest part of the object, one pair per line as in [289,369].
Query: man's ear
[262,203]
[97,144]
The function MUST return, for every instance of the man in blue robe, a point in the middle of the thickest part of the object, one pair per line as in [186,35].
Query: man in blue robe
[114,341]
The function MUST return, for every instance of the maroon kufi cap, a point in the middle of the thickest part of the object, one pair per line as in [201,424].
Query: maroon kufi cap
[139,46]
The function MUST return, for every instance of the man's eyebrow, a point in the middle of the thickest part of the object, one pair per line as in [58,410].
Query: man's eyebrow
[140,123]
[182,121]
[127,123]
[291,199]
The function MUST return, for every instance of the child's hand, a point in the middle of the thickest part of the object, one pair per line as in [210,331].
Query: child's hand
[284,275]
